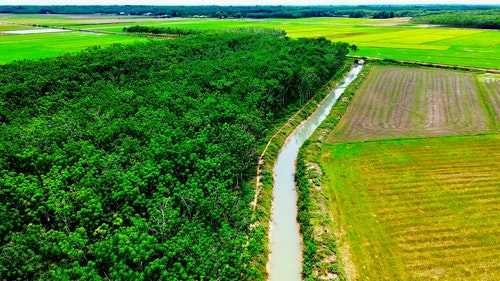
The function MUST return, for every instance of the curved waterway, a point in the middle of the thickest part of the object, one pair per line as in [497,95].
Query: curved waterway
[286,256]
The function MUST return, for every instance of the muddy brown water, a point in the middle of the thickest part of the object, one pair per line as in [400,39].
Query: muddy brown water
[285,244]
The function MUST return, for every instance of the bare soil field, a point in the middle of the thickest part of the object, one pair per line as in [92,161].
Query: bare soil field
[399,102]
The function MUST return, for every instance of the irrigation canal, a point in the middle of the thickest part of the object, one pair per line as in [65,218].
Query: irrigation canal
[285,246]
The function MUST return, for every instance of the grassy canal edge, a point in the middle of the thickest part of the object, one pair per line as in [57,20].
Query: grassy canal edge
[264,181]
[326,256]
[320,259]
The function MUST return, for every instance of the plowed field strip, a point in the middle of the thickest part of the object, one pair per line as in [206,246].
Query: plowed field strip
[431,234]
[424,263]
[399,102]
[437,172]
[430,205]
[460,202]
[455,182]
[421,205]
[447,247]
[417,221]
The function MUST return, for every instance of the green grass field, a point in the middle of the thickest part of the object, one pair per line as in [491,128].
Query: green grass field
[411,174]
[387,38]
[419,209]
[10,27]
[392,39]
[36,46]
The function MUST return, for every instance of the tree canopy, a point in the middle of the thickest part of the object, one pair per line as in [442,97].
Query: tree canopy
[487,19]
[131,162]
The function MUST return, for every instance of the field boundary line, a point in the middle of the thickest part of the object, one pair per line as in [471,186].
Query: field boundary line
[430,64]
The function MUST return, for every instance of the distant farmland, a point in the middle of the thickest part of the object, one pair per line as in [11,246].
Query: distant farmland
[43,45]
[398,102]
[380,38]
[412,171]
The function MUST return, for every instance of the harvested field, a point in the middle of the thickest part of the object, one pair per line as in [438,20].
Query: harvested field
[400,102]
[423,209]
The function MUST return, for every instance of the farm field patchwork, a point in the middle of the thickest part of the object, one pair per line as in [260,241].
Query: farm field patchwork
[375,38]
[384,38]
[403,102]
[412,172]
[418,209]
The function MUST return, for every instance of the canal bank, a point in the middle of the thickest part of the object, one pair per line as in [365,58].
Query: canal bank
[285,259]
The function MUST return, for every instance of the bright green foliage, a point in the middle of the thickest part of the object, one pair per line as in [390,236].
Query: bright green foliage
[489,18]
[378,38]
[130,162]
[160,30]
[395,38]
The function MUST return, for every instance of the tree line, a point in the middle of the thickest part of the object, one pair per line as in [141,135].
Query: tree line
[361,11]
[132,162]
[160,30]
[172,31]
[487,19]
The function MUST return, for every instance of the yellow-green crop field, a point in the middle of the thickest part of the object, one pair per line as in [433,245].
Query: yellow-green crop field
[32,45]
[385,38]
[36,46]
[418,209]
[412,172]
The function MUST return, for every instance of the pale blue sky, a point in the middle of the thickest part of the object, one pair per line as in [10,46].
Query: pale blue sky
[242,2]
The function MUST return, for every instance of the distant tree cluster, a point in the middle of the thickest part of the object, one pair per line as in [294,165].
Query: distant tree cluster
[383,15]
[131,162]
[487,19]
[160,30]
[182,31]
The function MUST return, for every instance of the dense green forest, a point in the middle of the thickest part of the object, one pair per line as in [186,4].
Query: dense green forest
[361,11]
[132,162]
[488,19]
[177,32]
[172,31]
